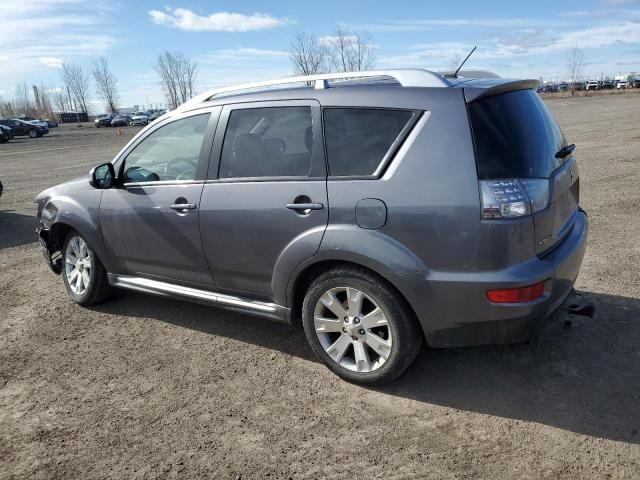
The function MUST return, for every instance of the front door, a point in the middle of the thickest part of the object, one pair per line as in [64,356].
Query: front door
[267,192]
[150,223]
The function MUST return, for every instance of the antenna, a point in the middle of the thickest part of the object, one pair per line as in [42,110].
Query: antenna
[455,74]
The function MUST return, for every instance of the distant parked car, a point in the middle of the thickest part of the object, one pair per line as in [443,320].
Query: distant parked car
[592,85]
[547,88]
[38,122]
[51,123]
[622,84]
[104,120]
[21,128]
[5,134]
[563,87]
[139,118]
[607,84]
[120,121]
[155,115]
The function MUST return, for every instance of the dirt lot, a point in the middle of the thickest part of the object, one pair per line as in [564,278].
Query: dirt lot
[143,387]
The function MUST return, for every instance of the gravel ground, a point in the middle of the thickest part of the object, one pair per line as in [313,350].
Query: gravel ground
[145,387]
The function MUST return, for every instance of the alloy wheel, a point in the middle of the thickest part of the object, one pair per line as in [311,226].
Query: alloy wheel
[78,265]
[352,329]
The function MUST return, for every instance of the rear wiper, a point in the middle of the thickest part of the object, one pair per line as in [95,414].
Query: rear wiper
[566,151]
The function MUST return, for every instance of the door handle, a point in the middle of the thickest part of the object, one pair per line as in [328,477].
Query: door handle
[305,206]
[183,206]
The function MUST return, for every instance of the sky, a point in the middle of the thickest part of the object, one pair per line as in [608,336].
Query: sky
[239,41]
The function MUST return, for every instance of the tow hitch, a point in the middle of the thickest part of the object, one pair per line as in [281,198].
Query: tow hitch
[576,305]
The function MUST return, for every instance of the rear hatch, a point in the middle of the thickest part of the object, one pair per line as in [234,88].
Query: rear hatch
[517,138]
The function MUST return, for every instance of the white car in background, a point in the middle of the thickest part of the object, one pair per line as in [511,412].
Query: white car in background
[622,84]
[139,118]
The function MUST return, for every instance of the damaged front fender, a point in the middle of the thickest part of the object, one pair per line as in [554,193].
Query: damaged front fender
[52,255]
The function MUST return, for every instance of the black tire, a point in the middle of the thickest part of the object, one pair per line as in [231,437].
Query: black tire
[32,133]
[403,327]
[99,289]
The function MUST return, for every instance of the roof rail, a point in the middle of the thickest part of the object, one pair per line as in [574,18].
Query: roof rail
[407,77]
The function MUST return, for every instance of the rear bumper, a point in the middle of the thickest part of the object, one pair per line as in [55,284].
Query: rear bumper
[454,309]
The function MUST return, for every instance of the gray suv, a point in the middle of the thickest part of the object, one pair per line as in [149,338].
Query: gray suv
[380,209]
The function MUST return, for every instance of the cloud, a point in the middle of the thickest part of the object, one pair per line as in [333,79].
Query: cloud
[186,20]
[53,62]
[242,54]
[38,36]
[461,23]
[624,33]
[330,40]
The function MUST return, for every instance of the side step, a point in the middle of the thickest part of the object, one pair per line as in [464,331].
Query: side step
[229,302]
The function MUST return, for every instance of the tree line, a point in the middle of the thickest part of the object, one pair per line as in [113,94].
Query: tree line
[344,50]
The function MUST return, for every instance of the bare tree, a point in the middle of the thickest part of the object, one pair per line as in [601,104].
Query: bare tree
[6,108]
[349,51]
[22,102]
[177,76]
[106,84]
[46,104]
[77,81]
[575,61]
[308,55]
[59,100]
[455,62]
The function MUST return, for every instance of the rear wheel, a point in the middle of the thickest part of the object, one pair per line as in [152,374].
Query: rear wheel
[359,326]
[84,276]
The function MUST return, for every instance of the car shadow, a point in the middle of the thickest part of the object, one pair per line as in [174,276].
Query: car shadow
[16,229]
[585,379]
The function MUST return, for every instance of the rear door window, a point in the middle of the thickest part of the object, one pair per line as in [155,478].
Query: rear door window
[515,136]
[268,142]
[358,139]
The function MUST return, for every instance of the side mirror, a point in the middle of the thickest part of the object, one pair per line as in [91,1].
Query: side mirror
[102,176]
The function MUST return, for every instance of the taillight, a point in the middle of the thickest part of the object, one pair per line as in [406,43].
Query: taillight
[513,197]
[517,295]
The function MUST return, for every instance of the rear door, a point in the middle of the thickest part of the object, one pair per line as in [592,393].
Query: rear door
[266,197]
[516,137]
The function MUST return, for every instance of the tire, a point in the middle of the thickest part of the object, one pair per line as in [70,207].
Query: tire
[32,133]
[98,288]
[346,346]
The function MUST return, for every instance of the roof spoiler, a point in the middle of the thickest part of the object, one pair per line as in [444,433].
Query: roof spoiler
[474,91]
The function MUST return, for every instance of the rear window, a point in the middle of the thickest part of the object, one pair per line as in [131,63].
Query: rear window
[358,138]
[515,136]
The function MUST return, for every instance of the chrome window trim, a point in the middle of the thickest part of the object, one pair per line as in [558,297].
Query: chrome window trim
[160,183]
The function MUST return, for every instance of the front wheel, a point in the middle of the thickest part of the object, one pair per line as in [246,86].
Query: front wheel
[84,276]
[360,326]
[32,133]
